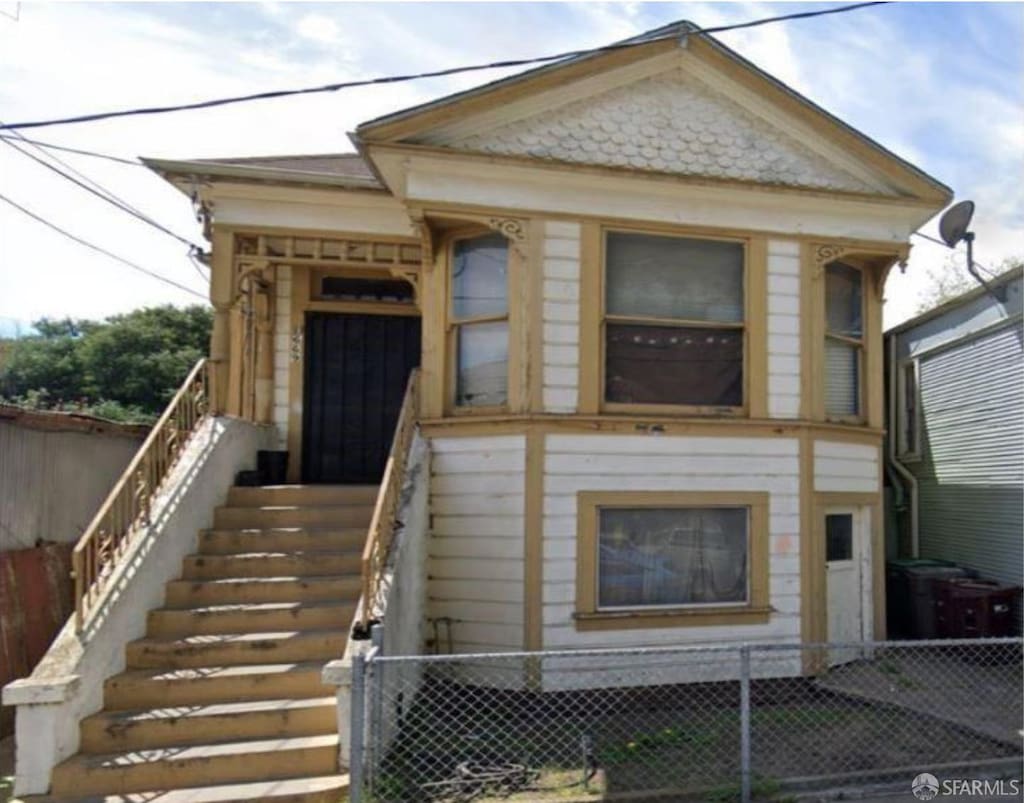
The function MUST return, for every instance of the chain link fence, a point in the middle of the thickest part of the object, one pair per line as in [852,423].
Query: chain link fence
[720,723]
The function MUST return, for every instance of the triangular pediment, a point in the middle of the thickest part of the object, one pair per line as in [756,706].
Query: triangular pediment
[690,109]
[668,123]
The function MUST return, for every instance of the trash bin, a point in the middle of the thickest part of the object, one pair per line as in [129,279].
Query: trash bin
[272,467]
[911,604]
[975,608]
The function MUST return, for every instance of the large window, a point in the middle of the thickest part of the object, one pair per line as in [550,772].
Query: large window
[672,556]
[657,559]
[673,321]
[844,341]
[478,313]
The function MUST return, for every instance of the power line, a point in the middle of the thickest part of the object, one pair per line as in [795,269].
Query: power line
[79,151]
[97,248]
[101,192]
[394,79]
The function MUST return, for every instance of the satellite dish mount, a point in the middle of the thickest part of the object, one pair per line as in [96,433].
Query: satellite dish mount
[953,229]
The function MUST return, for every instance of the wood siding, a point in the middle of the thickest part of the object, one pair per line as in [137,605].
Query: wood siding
[475,558]
[783,329]
[694,464]
[846,467]
[561,314]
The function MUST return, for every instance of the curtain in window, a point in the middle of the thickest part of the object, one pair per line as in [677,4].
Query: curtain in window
[691,556]
[842,380]
[479,310]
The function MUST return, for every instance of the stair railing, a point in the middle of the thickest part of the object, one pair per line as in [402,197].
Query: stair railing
[383,523]
[126,509]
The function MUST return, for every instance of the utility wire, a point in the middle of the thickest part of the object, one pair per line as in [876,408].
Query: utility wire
[394,79]
[50,146]
[98,249]
[101,192]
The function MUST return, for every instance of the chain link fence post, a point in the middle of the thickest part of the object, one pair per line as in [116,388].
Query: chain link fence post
[745,723]
[375,688]
[358,702]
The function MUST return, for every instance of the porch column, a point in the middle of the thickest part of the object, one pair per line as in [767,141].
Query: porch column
[264,379]
[221,281]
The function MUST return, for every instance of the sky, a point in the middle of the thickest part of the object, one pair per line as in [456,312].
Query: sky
[940,84]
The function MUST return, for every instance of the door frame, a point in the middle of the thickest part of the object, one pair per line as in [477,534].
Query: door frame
[860,557]
[302,302]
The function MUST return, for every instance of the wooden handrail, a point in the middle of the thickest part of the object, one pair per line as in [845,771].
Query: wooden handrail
[127,507]
[383,523]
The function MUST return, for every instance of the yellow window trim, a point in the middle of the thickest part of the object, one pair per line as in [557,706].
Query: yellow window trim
[589,617]
[593,318]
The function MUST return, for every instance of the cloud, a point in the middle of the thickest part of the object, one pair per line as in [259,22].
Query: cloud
[941,85]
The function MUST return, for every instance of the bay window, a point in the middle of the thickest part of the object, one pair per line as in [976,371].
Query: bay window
[673,322]
[844,341]
[478,318]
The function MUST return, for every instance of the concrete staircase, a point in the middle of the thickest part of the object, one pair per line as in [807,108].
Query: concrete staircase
[222,700]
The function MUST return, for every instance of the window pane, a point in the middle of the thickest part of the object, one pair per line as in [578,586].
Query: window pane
[909,408]
[682,556]
[843,300]
[839,537]
[480,276]
[673,277]
[842,371]
[483,364]
[673,365]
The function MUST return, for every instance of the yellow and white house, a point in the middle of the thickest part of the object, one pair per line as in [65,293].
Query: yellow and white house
[643,289]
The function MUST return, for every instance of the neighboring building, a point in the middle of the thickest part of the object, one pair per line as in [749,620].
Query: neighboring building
[644,290]
[957,409]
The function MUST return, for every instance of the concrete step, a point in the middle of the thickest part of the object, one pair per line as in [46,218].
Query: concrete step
[302,495]
[322,789]
[236,648]
[261,617]
[118,731]
[333,516]
[153,688]
[196,765]
[281,539]
[235,590]
[271,564]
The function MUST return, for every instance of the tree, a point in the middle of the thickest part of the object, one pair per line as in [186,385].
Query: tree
[126,366]
[953,279]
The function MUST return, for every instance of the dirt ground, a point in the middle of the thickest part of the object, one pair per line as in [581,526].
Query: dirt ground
[688,737]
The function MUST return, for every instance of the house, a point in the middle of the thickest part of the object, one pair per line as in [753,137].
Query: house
[643,290]
[956,406]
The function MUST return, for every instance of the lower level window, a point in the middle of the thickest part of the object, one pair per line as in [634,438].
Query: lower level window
[672,557]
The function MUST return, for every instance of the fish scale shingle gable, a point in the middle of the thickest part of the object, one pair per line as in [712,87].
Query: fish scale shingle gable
[667,123]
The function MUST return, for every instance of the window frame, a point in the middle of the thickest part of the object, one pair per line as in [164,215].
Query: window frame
[589,615]
[859,343]
[603,318]
[906,451]
[453,324]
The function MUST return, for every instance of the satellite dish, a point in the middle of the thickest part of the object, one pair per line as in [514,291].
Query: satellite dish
[953,225]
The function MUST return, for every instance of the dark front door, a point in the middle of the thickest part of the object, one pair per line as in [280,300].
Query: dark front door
[356,370]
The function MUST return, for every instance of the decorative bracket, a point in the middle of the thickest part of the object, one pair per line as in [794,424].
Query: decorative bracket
[823,254]
[412,277]
[513,229]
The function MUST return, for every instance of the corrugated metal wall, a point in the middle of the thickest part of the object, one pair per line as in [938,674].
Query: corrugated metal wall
[972,475]
[36,598]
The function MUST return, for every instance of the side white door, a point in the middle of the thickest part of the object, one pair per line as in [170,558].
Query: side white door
[844,543]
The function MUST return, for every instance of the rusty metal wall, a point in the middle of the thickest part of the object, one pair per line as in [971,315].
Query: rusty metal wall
[52,480]
[35,600]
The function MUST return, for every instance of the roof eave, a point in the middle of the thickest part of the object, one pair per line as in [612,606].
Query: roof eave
[171,169]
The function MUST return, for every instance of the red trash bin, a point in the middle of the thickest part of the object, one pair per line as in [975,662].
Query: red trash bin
[973,608]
